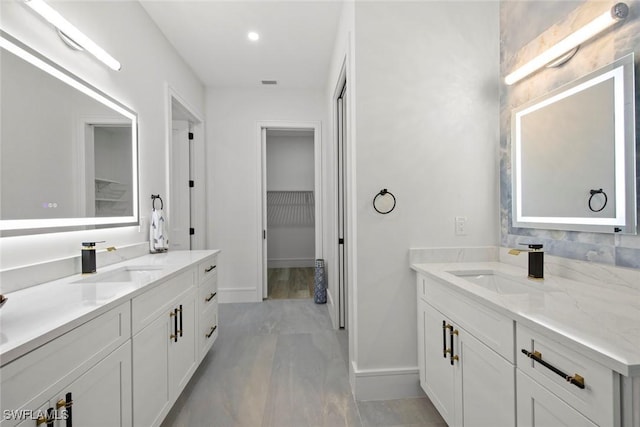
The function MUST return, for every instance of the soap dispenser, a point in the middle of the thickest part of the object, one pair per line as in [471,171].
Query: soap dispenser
[89,257]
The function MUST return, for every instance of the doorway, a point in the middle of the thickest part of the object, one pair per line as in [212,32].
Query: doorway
[185,207]
[290,213]
[291,206]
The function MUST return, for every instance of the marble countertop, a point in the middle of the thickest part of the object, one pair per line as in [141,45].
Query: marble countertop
[36,315]
[602,322]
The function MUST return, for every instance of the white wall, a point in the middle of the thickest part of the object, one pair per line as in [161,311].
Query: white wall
[148,63]
[426,118]
[290,163]
[233,190]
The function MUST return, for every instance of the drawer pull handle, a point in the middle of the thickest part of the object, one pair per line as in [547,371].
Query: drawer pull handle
[213,329]
[68,404]
[576,379]
[210,297]
[207,270]
[180,311]
[445,327]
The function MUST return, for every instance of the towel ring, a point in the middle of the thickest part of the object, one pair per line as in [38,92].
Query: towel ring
[593,193]
[153,201]
[384,202]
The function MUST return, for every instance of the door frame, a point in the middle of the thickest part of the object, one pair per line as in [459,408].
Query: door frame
[198,172]
[261,196]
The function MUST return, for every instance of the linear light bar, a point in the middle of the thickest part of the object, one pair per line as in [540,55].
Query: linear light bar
[64,26]
[617,13]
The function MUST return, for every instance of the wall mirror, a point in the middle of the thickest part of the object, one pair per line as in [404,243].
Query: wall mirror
[68,152]
[574,155]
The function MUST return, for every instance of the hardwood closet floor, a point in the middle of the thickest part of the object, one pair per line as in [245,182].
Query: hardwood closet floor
[290,283]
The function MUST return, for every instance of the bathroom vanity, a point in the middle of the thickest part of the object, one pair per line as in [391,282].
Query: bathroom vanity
[114,348]
[496,348]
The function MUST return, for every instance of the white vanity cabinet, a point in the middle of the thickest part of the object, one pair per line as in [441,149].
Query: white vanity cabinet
[164,346]
[470,382]
[207,305]
[87,370]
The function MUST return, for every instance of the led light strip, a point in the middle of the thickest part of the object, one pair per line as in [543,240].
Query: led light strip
[617,13]
[64,26]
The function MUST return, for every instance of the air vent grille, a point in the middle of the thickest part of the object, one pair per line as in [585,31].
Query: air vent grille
[269,82]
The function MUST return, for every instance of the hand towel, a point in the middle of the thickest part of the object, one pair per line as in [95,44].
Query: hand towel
[158,240]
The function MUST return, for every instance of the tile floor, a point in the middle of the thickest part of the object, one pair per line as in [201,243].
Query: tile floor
[279,363]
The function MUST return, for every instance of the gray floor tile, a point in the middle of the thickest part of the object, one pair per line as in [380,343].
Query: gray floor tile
[401,412]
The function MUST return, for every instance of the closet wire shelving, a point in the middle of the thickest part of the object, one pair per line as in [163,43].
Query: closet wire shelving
[290,208]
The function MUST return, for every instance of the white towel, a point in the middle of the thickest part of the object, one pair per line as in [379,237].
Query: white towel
[158,239]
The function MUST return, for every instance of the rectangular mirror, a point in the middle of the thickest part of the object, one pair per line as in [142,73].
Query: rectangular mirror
[574,155]
[68,152]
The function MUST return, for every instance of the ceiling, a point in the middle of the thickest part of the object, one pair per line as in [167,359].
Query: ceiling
[295,46]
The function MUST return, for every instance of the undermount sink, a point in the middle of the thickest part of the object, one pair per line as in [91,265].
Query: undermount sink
[131,273]
[499,283]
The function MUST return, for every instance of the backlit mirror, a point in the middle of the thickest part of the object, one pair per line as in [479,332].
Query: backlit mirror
[68,152]
[574,155]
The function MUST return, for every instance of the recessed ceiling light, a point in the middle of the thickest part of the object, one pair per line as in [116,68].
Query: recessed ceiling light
[253,36]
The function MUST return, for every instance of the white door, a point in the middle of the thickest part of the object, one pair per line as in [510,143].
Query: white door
[487,389]
[263,189]
[342,208]
[179,215]
[439,375]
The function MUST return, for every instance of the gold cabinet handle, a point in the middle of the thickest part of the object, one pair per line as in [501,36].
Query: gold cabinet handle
[41,420]
[213,329]
[61,404]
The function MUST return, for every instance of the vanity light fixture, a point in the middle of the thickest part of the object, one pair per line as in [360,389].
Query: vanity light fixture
[617,13]
[71,35]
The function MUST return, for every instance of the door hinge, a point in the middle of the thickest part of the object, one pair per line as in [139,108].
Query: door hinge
[191,183]
[190,136]
[341,241]
[192,231]
[264,234]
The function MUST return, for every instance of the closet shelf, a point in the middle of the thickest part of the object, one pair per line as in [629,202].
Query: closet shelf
[290,208]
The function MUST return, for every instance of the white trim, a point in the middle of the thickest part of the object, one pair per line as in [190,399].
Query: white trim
[316,126]
[199,171]
[230,295]
[386,384]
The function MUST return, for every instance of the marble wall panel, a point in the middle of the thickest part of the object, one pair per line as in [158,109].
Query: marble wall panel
[526,29]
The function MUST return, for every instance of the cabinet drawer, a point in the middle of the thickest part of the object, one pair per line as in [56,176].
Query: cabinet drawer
[492,328]
[208,293]
[207,268]
[148,306]
[601,385]
[29,380]
[208,329]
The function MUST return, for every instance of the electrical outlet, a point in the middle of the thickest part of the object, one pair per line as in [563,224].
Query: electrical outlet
[461,225]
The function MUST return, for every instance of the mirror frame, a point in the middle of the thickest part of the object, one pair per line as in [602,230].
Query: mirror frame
[36,226]
[625,221]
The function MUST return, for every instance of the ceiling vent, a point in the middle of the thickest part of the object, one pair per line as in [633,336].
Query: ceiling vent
[269,82]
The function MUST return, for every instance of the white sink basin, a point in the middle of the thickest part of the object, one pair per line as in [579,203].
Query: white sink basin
[500,283]
[131,273]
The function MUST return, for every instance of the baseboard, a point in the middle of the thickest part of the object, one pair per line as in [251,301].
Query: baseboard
[290,262]
[386,384]
[227,295]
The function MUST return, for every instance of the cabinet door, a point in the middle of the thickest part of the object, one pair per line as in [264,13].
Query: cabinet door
[438,373]
[151,398]
[102,395]
[538,407]
[182,353]
[487,384]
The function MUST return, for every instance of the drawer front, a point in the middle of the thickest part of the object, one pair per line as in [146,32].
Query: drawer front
[601,386]
[30,380]
[207,268]
[148,306]
[492,328]
[208,293]
[208,330]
